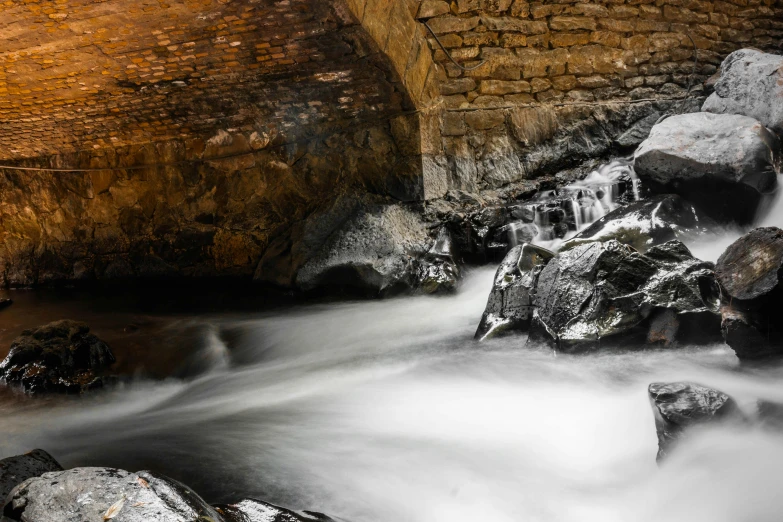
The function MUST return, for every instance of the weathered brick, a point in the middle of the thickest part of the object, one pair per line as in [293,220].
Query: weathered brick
[453,24]
[572,23]
[500,87]
[513,24]
[485,119]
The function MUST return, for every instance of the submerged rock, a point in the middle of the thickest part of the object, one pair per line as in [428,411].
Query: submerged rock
[510,304]
[15,470]
[751,83]
[748,273]
[680,405]
[86,494]
[643,224]
[609,292]
[723,163]
[59,357]
[250,510]
[5,303]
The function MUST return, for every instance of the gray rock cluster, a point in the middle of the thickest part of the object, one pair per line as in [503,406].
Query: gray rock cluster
[726,157]
[38,490]
[628,280]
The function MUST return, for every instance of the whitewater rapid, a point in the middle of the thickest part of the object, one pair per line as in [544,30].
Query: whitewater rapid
[388,411]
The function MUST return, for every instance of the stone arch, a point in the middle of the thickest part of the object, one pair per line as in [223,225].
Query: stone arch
[393,27]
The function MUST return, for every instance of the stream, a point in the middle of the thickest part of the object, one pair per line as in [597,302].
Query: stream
[388,411]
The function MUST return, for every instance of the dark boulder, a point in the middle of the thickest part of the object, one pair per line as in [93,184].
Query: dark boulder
[750,83]
[15,470]
[643,224]
[250,510]
[510,304]
[5,303]
[608,293]
[86,494]
[681,405]
[748,273]
[723,163]
[59,357]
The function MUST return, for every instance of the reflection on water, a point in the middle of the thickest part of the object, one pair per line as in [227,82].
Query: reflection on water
[388,411]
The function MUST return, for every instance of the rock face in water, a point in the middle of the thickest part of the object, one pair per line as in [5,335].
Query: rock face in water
[643,224]
[680,405]
[749,275]
[374,251]
[86,494]
[59,357]
[751,83]
[720,162]
[605,292]
[438,271]
[510,304]
[15,470]
[250,510]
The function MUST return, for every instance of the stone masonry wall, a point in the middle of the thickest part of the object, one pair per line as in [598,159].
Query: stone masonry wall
[564,80]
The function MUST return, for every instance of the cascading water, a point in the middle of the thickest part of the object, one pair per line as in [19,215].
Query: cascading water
[386,411]
[554,216]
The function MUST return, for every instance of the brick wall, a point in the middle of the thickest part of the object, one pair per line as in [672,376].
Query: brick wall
[590,51]
[553,83]
[82,75]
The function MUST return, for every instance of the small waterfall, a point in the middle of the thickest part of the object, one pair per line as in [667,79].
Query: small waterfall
[560,214]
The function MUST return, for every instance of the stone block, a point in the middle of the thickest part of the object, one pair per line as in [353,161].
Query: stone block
[485,119]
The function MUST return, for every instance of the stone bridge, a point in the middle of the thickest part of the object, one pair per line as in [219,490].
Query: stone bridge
[189,134]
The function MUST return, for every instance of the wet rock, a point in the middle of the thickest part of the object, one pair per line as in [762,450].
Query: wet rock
[371,248]
[723,163]
[86,494]
[643,224]
[751,83]
[439,271]
[510,303]
[250,510]
[5,303]
[748,273]
[681,405]
[15,470]
[59,357]
[605,293]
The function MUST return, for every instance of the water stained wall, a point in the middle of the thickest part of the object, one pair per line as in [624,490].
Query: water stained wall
[209,128]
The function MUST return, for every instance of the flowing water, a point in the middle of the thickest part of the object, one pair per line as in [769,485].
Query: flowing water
[388,411]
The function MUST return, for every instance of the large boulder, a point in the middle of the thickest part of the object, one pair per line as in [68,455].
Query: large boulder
[251,510]
[644,224]
[749,273]
[62,356]
[374,251]
[86,494]
[723,163]
[678,406]
[510,303]
[751,83]
[15,470]
[605,293]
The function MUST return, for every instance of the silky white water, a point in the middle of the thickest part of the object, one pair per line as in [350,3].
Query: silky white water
[388,411]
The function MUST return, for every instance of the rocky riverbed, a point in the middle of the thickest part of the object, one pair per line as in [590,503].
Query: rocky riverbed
[645,280]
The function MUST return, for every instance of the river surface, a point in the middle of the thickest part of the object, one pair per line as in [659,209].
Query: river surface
[389,411]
